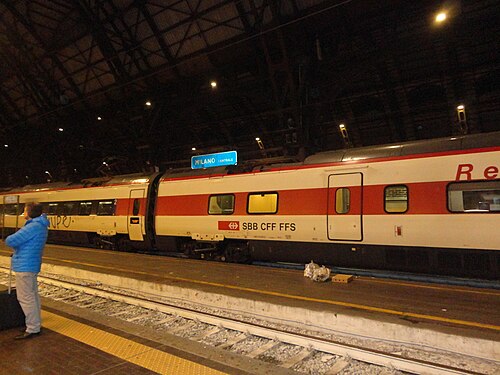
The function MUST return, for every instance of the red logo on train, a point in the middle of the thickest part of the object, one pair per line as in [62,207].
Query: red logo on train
[229,225]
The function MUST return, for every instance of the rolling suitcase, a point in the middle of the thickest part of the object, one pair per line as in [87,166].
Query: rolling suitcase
[11,314]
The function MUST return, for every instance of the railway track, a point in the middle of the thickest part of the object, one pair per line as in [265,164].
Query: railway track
[298,351]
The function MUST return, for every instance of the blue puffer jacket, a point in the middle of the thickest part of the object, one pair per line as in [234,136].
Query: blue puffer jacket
[28,243]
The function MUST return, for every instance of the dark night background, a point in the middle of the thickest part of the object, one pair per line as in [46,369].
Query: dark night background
[288,72]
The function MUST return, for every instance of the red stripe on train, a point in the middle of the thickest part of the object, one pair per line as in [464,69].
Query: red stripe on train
[424,198]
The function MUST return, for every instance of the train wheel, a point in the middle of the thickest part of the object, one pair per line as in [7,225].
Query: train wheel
[237,253]
[188,249]
[123,244]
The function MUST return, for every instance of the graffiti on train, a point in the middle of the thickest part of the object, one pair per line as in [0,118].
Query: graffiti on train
[59,221]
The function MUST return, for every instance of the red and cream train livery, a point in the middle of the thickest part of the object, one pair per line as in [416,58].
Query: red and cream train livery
[427,206]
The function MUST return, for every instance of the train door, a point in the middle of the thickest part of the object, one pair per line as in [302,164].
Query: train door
[345,194]
[135,215]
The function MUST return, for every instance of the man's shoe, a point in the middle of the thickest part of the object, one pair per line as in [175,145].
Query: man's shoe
[27,335]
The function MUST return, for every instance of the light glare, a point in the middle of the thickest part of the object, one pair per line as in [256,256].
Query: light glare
[440,17]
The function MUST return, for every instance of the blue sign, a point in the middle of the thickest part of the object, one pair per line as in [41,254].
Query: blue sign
[214,160]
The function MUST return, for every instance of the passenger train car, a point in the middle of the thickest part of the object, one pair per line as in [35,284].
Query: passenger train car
[428,206]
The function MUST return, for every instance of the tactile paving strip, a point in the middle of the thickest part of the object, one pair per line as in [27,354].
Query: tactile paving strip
[128,350]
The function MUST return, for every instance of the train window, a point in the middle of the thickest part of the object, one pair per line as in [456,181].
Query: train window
[14,209]
[52,208]
[396,199]
[262,203]
[221,204]
[137,206]
[106,208]
[342,200]
[85,208]
[69,208]
[474,197]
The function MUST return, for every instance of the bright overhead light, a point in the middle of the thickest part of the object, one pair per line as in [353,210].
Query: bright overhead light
[440,17]
[341,126]
[213,84]
[61,129]
[99,118]
[193,148]
[148,103]
[460,107]
[260,143]
[5,145]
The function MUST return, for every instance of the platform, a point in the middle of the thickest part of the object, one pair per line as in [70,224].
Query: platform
[78,341]
[459,319]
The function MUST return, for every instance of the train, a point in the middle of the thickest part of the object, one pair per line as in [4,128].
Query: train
[427,207]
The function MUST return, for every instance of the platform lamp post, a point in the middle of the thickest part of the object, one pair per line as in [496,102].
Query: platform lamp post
[462,119]
[259,143]
[345,135]
[50,176]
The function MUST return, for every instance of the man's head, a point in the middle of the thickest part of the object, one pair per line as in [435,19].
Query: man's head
[32,210]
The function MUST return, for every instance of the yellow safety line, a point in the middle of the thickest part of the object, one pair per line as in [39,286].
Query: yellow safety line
[390,282]
[128,350]
[300,298]
[412,285]
[365,279]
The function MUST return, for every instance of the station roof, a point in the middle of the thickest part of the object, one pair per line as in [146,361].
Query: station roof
[76,78]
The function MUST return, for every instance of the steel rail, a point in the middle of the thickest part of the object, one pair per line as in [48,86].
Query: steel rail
[328,346]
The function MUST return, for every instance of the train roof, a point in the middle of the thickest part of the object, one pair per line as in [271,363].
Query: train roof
[457,143]
[135,178]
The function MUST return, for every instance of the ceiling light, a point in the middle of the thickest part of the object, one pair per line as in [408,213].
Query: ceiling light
[148,103]
[260,143]
[5,145]
[460,107]
[213,84]
[345,135]
[61,129]
[440,17]
[99,118]
[193,148]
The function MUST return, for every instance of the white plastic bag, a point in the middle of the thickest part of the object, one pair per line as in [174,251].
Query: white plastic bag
[309,270]
[321,274]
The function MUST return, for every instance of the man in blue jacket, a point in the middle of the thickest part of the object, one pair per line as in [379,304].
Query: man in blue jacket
[28,243]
